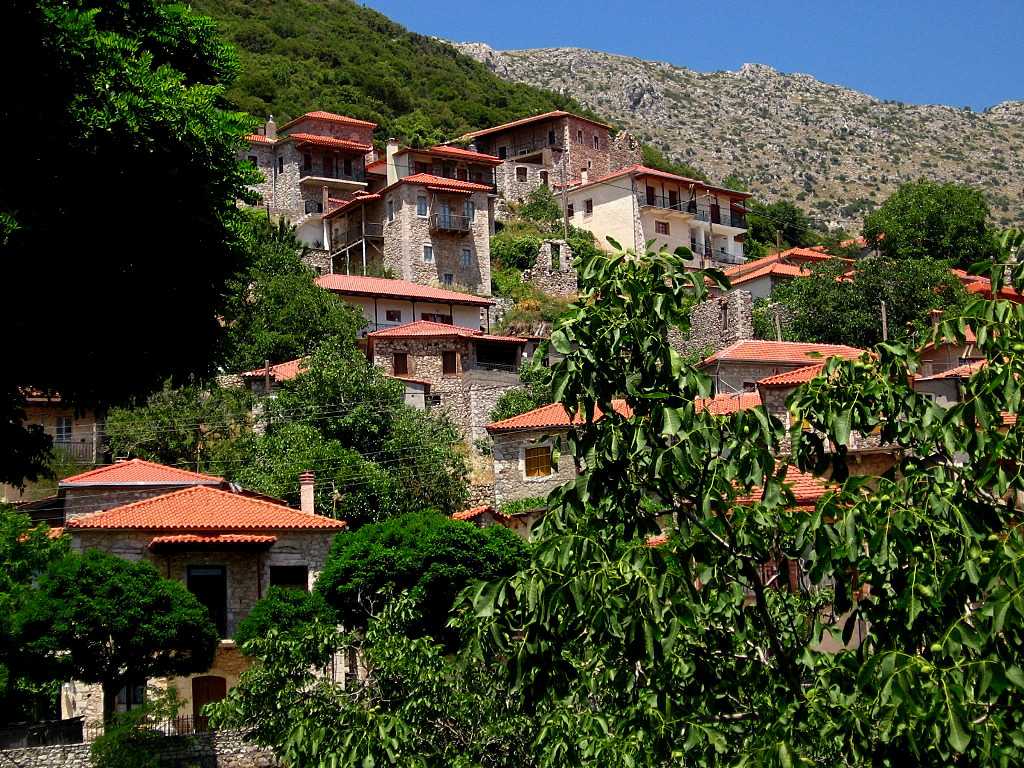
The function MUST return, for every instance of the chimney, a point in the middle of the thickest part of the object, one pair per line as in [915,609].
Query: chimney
[392,170]
[936,316]
[306,492]
[584,176]
[271,129]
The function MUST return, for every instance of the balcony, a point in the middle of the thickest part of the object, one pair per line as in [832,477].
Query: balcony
[449,222]
[716,215]
[334,180]
[529,148]
[707,254]
[666,204]
[357,233]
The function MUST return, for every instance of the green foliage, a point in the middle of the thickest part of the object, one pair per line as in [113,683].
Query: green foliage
[826,309]
[541,206]
[513,252]
[419,708]
[285,611]
[522,505]
[928,219]
[193,426]
[133,92]
[346,58]
[102,619]
[274,310]
[532,307]
[781,218]
[25,551]
[536,381]
[128,740]
[425,554]
[652,158]
[374,456]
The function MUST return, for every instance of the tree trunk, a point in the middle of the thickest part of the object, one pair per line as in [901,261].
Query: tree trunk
[110,690]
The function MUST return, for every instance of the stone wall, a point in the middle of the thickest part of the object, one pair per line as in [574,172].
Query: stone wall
[264,154]
[218,749]
[480,494]
[626,152]
[583,156]
[510,480]
[319,259]
[512,190]
[715,324]
[553,271]
[94,498]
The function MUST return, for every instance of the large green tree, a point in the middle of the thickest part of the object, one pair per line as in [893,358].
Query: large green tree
[781,223]
[102,619]
[127,180]
[932,219]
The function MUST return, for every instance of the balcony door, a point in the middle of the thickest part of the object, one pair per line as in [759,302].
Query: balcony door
[445,216]
[209,583]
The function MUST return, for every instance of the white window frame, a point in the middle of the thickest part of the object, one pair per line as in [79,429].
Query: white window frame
[548,443]
[421,206]
[428,254]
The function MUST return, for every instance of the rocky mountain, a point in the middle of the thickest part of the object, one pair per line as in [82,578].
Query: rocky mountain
[836,151]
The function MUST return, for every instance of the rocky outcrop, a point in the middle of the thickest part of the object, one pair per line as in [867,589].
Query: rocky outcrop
[835,151]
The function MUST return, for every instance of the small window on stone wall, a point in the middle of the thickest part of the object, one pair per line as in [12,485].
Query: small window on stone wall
[280,165]
[254,160]
[520,174]
[467,257]
[544,178]
[449,363]
[428,254]
[448,279]
[289,576]
[538,461]
[421,206]
[597,142]
[400,363]
[579,137]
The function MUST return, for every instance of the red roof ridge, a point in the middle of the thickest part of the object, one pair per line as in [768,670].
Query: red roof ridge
[357,285]
[330,117]
[281,371]
[430,180]
[430,328]
[799,376]
[761,350]
[523,121]
[554,416]
[328,141]
[140,472]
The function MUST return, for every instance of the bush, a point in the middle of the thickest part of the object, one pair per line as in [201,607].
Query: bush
[286,610]
[515,252]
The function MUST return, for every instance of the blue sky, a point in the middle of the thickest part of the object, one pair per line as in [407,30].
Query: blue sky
[967,53]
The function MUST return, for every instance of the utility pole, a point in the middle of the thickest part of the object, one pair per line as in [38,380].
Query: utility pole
[885,323]
[565,198]
[778,327]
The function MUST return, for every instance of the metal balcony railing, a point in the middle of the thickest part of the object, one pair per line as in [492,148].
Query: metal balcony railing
[450,222]
[317,173]
[529,147]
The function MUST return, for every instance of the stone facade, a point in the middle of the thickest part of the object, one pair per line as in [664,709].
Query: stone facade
[715,324]
[510,479]
[554,272]
[626,151]
[216,749]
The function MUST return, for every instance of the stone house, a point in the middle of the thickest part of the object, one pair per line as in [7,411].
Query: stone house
[741,365]
[468,370]
[638,204]
[305,162]
[550,149]
[759,277]
[426,218]
[227,546]
[389,303]
[946,388]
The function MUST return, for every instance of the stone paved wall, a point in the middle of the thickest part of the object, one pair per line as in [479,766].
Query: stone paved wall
[219,749]
[556,279]
[626,152]
[515,191]
[319,259]
[717,323]
[480,494]
[510,481]
[583,156]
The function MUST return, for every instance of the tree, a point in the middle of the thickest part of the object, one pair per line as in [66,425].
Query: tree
[283,610]
[25,550]
[536,392]
[931,219]
[781,221]
[428,555]
[101,619]
[193,426]
[842,304]
[132,91]
[275,310]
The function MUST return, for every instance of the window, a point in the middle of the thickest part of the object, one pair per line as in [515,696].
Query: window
[544,178]
[254,160]
[428,254]
[588,206]
[348,166]
[597,142]
[538,461]
[570,210]
[431,401]
[462,174]
[210,586]
[400,363]
[280,165]
[422,167]
[64,425]
[307,163]
[290,577]
[393,315]
[520,174]
[502,153]
[433,317]
[661,227]
[421,206]
[391,210]
[470,210]
[579,137]
[478,177]
[449,363]
[467,257]
[328,166]
[551,138]
[448,279]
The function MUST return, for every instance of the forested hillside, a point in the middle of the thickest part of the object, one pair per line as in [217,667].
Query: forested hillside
[298,56]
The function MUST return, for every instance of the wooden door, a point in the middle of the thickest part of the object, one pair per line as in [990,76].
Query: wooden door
[206,689]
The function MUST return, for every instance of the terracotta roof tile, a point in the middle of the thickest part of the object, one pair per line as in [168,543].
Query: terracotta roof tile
[524,121]
[552,416]
[960,372]
[259,139]
[328,141]
[806,489]
[791,378]
[475,512]
[1009,419]
[791,263]
[140,472]
[201,508]
[464,154]
[657,541]
[428,328]
[444,184]
[355,285]
[281,371]
[220,538]
[729,402]
[330,117]
[781,352]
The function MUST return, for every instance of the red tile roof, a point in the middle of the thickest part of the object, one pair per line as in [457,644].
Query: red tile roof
[341,206]
[463,154]
[806,489]
[730,402]
[259,139]
[643,170]
[792,378]
[408,379]
[281,371]
[1009,419]
[657,541]
[428,328]
[781,352]
[140,472]
[526,120]
[553,416]
[475,512]
[960,372]
[969,338]
[355,285]
[202,508]
[378,166]
[328,141]
[330,117]
[791,263]
[214,540]
[443,184]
